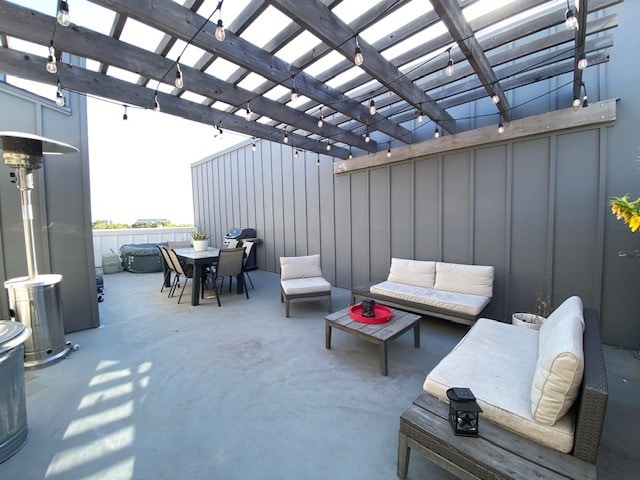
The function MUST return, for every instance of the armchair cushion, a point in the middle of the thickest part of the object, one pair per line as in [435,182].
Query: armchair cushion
[301,286]
[300,267]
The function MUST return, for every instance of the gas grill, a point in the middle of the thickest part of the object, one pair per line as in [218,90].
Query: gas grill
[240,234]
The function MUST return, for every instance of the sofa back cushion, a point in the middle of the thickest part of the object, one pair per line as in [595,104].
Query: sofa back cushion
[412,272]
[471,279]
[571,306]
[300,267]
[559,369]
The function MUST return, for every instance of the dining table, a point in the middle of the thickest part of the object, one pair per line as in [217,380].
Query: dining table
[200,260]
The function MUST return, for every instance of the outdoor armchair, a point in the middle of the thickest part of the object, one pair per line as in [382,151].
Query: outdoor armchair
[301,278]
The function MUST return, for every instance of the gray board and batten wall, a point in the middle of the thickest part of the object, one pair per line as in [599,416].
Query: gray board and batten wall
[61,205]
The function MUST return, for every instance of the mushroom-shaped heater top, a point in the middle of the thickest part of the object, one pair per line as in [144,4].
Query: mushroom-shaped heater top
[24,150]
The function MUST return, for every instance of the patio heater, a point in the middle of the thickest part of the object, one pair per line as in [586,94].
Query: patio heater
[34,300]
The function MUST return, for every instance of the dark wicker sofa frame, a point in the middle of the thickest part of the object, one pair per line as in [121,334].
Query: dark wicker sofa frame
[501,454]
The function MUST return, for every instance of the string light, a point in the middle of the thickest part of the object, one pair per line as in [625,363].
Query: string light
[294,92]
[220,132]
[358,59]
[156,106]
[220,33]
[389,150]
[570,20]
[63,13]
[495,98]
[318,161]
[350,154]
[329,146]
[296,153]
[436,133]
[448,71]
[51,60]
[320,119]
[372,106]
[576,102]
[500,127]
[367,138]
[59,97]
[420,115]
[286,137]
[247,115]
[582,62]
[179,82]
[125,116]
[585,101]
[253,144]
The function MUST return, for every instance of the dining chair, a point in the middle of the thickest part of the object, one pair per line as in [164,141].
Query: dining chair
[170,267]
[230,264]
[248,248]
[181,269]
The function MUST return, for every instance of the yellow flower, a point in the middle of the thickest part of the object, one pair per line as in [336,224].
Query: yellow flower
[634,223]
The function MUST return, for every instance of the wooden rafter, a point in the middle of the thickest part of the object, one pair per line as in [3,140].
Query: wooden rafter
[451,15]
[116,30]
[174,19]
[29,25]
[319,20]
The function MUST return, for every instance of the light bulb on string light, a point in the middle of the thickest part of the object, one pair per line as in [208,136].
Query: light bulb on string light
[436,132]
[125,116]
[585,101]
[372,106]
[420,115]
[576,102]
[320,119]
[500,127]
[294,94]
[582,62]
[350,154]
[389,150]
[247,115]
[329,146]
[179,81]
[253,144]
[367,138]
[59,96]
[318,161]
[448,71]
[63,13]
[495,98]
[286,137]
[296,153]
[51,60]
[156,106]
[220,34]
[570,20]
[358,59]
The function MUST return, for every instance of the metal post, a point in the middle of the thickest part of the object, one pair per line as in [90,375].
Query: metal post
[25,185]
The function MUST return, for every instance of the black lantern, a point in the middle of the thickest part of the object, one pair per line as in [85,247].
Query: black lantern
[368,308]
[464,412]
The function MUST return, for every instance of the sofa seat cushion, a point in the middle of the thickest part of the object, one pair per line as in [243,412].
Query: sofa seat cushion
[412,272]
[497,362]
[455,302]
[471,279]
[303,286]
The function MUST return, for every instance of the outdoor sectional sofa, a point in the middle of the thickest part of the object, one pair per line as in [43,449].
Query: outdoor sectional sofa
[452,291]
[543,396]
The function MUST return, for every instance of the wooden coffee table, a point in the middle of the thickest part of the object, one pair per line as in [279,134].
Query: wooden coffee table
[380,334]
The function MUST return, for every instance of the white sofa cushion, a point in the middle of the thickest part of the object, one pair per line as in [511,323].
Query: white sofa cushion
[300,286]
[497,362]
[412,272]
[558,372]
[455,302]
[471,279]
[300,267]
[571,306]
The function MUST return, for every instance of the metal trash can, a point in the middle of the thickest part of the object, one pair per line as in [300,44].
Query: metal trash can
[13,405]
[37,304]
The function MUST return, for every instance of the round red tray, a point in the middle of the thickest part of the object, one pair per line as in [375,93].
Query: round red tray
[383,314]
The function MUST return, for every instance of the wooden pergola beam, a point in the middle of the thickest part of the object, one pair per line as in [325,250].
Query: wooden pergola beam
[319,20]
[172,18]
[580,38]
[116,30]
[76,79]
[451,15]
[30,25]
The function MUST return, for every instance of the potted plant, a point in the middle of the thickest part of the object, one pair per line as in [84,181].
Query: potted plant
[200,240]
[541,311]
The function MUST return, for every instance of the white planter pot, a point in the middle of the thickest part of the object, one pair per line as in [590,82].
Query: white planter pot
[200,245]
[527,320]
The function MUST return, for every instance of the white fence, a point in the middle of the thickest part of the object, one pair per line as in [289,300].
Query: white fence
[111,239]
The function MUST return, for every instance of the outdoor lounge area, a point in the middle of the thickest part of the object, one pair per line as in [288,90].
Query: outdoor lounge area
[469,165]
[163,390]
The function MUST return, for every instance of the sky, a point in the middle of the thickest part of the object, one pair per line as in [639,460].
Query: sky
[140,168]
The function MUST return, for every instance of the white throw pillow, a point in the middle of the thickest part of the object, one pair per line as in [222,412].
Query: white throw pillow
[412,272]
[472,279]
[558,373]
[571,306]
[300,267]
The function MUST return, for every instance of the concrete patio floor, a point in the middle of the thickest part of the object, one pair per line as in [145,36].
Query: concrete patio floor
[168,391]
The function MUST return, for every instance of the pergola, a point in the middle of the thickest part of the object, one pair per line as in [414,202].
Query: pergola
[276,50]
